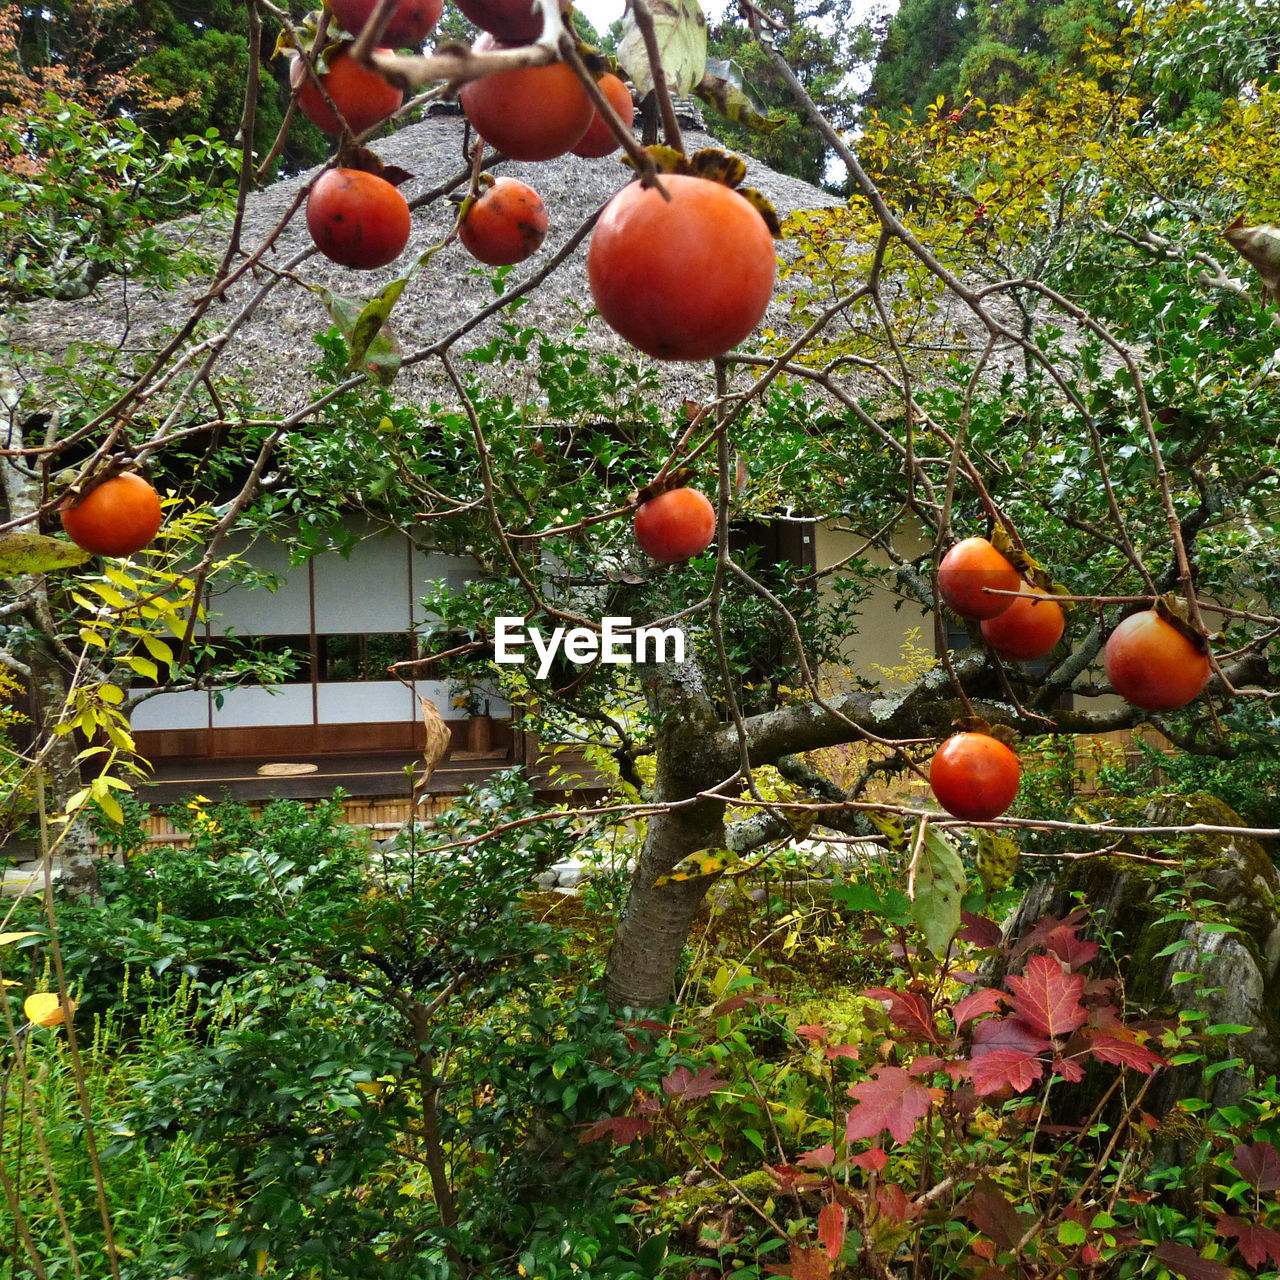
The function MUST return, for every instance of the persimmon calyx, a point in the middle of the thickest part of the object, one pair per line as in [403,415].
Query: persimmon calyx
[715,166]
[676,479]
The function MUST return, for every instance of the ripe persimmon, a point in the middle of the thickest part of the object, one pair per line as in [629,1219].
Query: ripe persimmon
[974,776]
[117,518]
[532,113]
[410,23]
[512,21]
[598,139]
[684,279]
[1152,665]
[506,224]
[1028,629]
[363,96]
[971,566]
[676,525]
[357,219]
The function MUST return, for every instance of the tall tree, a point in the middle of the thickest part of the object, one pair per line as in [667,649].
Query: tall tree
[825,47]
[989,50]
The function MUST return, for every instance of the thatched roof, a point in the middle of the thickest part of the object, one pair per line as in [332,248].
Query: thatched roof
[278,341]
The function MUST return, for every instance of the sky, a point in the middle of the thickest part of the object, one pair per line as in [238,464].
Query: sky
[603,12]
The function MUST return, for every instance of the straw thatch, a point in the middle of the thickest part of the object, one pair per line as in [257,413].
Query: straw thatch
[277,343]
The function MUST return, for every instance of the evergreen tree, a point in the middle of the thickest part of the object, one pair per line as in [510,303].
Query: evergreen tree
[824,47]
[993,51]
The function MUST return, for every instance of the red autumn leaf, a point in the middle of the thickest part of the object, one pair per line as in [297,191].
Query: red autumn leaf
[1187,1262]
[907,1011]
[622,1130]
[1107,1018]
[1069,1069]
[841,1051]
[1100,986]
[1003,1068]
[734,1003]
[682,1083]
[873,1160]
[894,1205]
[1258,1164]
[1125,1053]
[1007,1033]
[994,1214]
[926,1065]
[1072,951]
[1048,997]
[812,1032]
[644,1024]
[984,1000]
[790,1178]
[1035,936]
[628,1029]
[1256,1244]
[819,1158]
[979,930]
[808,1262]
[892,1100]
[831,1228]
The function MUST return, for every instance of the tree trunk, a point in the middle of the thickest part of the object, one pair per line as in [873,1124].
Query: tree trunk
[46,681]
[650,937]
[651,933]
[49,692]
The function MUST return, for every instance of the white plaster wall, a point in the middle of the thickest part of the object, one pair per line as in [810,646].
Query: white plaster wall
[365,702]
[367,593]
[430,567]
[189,710]
[881,628]
[243,708]
[255,611]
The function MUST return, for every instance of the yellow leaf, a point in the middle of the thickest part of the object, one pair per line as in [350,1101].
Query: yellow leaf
[706,862]
[44,1009]
[7,938]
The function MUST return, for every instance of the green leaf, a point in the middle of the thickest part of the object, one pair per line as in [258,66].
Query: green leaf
[997,859]
[1070,1232]
[22,553]
[723,89]
[372,342]
[939,888]
[681,28]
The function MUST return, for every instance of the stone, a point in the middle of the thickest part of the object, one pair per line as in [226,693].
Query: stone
[1233,946]
[569,874]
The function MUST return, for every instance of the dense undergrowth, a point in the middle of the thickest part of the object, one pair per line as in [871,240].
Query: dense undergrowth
[305,1059]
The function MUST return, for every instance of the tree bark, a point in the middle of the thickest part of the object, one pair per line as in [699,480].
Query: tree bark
[649,941]
[46,679]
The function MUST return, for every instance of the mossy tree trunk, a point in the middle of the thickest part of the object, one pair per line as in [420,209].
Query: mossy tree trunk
[35,661]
